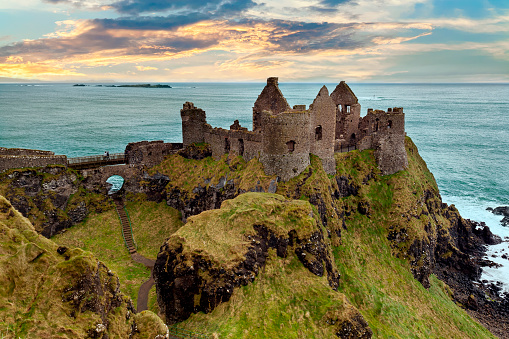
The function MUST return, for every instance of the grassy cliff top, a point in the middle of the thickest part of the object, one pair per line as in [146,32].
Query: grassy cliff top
[222,234]
[286,300]
[49,291]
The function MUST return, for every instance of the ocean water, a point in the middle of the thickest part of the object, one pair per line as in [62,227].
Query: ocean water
[461,130]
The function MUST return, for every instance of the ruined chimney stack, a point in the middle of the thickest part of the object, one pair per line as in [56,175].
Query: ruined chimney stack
[273,81]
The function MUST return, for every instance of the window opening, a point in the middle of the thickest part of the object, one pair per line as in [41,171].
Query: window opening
[291,146]
[318,133]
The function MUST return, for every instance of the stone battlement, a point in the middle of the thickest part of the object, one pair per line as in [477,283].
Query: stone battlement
[283,137]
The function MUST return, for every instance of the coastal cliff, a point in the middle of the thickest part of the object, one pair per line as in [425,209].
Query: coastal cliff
[379,229]
[351,254]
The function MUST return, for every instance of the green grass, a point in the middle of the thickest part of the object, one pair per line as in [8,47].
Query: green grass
[101,234]
[285,300]
[186,174]
[45,294]
[222,234]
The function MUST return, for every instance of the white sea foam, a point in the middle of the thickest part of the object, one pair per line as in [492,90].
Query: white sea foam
[473,209]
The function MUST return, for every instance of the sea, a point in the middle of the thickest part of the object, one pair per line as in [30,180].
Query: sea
[461,130]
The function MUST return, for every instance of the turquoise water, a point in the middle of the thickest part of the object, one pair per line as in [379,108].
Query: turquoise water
[461,130]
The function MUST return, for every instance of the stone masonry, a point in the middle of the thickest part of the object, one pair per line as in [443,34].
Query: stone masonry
[284,137]
[20,158]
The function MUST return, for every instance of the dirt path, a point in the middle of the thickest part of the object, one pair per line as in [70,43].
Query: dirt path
[142,303]
[144,290]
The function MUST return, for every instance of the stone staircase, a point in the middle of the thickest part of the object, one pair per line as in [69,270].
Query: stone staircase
[126,227]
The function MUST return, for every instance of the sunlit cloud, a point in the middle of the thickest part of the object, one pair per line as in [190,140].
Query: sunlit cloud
[38,71]
[499,23]
[146,68]
[244,39]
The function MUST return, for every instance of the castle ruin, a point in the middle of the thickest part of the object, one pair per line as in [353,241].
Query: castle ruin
[284,137]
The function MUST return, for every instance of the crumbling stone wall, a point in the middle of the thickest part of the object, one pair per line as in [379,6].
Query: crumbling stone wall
[239,141]
[348,112]
[385,132]
[149,153]
[22,158]
[194,124]
[323,129]
[270,99]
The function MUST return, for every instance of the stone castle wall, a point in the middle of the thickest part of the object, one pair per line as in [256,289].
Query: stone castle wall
[21,158]
[283,137]
[237,141]
[323,129]
[194,124]
[149,153]
[385,132]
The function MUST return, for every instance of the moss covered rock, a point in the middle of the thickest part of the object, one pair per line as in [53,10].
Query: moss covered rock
[51,291]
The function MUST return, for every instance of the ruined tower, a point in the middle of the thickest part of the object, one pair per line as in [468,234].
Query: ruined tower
[270,99]
[348,112]
[385,133]
[285,143]
[323,129]
[193,124]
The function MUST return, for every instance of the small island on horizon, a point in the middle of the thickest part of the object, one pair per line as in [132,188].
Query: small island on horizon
[137,85]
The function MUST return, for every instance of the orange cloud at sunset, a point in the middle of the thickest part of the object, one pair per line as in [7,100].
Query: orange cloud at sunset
[38,71]
[246,40]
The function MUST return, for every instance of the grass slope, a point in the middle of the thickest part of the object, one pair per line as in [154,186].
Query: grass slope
[101,234]
[286,301]
[49,292]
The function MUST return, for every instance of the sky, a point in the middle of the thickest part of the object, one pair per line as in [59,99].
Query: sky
[250,40]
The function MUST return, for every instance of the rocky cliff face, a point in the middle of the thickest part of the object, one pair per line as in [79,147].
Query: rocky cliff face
[406,207]
[218,251]
[55,198]
[219,260]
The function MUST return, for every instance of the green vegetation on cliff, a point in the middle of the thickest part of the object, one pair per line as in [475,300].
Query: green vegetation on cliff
[47,291]
[101,234]
[381,229]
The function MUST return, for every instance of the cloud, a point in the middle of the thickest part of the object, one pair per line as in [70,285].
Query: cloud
[31,70]
[135,7]
[146,68]
[242,37]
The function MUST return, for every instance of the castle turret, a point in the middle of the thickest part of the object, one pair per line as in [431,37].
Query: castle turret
[323,129]
[348,112]
[193,124]
[285,143]
[271,99]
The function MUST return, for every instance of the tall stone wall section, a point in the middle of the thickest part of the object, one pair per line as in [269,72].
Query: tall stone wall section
[194,124]
[285,143]
[238,141]
[385,133]
[348,111]
[149,153]
[271,100]
[323,129]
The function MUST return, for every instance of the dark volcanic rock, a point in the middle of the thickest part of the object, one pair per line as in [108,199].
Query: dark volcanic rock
[501,210]
[204,198]
[345,187]
[189,281]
